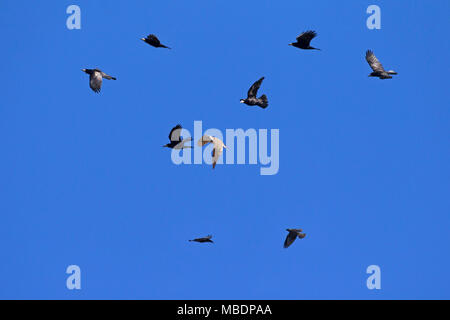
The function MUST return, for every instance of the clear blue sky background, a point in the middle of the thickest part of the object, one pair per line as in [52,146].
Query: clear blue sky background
[364,163]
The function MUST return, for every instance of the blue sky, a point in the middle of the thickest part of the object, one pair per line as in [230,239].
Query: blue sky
[364,163]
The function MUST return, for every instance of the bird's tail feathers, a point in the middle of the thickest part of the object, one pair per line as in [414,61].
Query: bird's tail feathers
[265,101]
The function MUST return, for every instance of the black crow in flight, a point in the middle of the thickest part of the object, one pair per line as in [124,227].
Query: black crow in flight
[204,239]
[252,100]
[304,39]
[175,139]
[154,41]
[292,235]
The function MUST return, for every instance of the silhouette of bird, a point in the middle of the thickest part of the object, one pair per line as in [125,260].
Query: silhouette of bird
[217,149]
[202,240]
[292,235]
[96,78]
[175,139]
[154,41]
[304,39]
[377,67]
[252,100]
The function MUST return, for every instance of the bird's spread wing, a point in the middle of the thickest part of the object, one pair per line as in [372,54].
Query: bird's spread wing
[95,81]
[253,91]
[374,63]
[290,238]
[204,140]
[217,151]
[306,37]
[174,134]
[154,39]
[107,76]
[181,144]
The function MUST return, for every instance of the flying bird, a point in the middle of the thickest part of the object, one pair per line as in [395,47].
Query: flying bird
[154,41]
[96,78]
[217,149]
[292,235]
[252,100]
[175,139]
[377,67]
[204,239]
[304,39]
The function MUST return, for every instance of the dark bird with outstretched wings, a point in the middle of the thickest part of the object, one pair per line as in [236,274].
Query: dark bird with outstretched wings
[304,40]
[292,235]
[96,78]
[377,67]
[203,240]
[252,100]
[175,139]
[154,41]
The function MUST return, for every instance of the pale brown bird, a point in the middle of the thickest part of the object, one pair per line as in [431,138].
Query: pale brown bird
[217,149]
[292,235]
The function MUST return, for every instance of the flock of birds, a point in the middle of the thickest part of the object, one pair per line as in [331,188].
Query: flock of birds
[303,42]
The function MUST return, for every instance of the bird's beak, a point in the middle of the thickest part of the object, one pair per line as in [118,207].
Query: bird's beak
[142,39]
[84,70]
[290,44]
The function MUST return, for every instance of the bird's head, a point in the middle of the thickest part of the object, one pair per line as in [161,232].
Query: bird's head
[84,70]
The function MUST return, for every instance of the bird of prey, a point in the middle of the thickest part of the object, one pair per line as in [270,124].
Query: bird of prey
[292,235]
[252,100]
[96,78]
[217,149]
[377,67]
[154,41]
[175,139]
[204,239]
[304,39]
